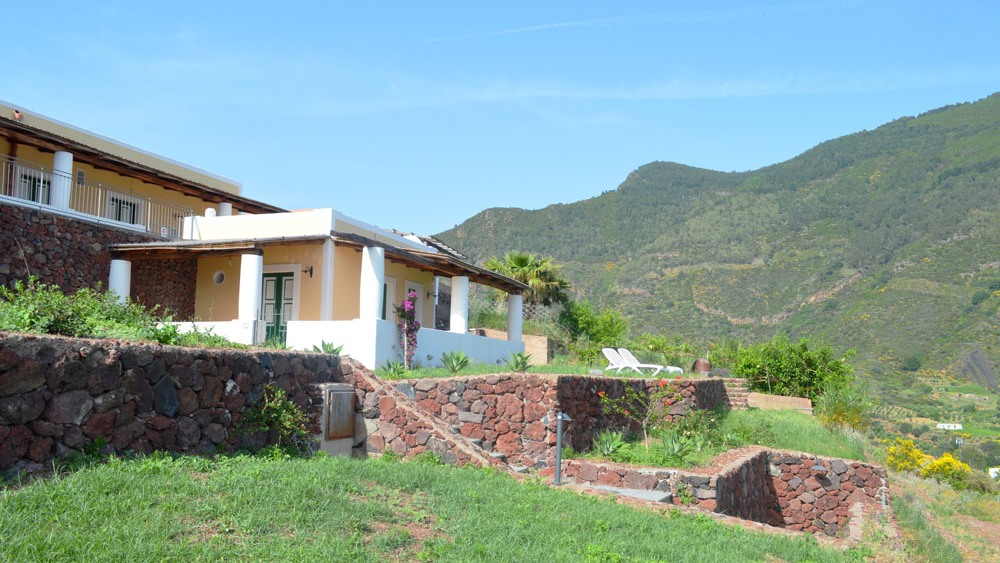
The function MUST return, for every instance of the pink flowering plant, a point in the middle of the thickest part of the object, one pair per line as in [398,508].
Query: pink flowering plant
[641,406]
[406,322]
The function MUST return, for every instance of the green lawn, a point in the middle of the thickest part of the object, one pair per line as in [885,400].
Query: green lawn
[254,508]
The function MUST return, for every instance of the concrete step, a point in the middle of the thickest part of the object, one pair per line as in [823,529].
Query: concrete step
[642,494]
[498,456]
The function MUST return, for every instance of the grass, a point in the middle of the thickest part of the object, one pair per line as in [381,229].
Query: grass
[162,508]
[793,430]
[921,538]
[724,430]
[942,524]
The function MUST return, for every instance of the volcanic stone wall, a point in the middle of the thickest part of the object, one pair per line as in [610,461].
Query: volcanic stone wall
[785,489]
[58,395]
[73,254]
[514,414]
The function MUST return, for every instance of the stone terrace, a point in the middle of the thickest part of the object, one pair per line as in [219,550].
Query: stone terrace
[58,395]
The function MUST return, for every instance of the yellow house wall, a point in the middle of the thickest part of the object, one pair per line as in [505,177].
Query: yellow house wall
[124,151]
[221,302]
[303,255]
[217,302]
[404,274]
[346,283]
[115,181]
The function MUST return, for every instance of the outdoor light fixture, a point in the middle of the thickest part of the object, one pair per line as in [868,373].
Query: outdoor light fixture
[18,116]
[560,418]
[308,270]
[816,466]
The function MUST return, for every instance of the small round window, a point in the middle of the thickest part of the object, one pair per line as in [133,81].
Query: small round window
[219,277]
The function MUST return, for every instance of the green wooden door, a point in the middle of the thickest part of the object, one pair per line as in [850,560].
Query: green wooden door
[277,304]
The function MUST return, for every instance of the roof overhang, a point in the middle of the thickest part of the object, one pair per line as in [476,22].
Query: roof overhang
[24,134]
[438,263]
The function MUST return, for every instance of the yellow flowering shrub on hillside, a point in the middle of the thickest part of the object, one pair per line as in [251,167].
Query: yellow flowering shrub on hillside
[945,468]
[905,456]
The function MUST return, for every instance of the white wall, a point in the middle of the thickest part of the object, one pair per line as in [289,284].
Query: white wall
[299,223]
[240,332]
[375,342]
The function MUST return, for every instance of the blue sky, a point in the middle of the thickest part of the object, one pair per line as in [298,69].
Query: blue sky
[417,115]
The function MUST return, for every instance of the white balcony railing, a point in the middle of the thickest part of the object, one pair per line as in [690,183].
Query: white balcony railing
[34,185]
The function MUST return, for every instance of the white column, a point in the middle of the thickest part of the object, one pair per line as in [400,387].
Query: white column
[459,304]
[326,283]
[61,187]
[251,286]
[225,209]
[120,279]
[515,324]
[372,281]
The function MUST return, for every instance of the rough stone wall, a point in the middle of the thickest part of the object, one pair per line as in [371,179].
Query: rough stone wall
[782,489]
[388,420]
[57,395]
[169,283]
[579,397]
[742,489]
[73,254]
[819,501]
[512,414]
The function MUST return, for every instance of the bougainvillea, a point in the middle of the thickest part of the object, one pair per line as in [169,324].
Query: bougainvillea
[406,322]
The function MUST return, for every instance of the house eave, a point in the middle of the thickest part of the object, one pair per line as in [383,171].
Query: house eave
[439,264]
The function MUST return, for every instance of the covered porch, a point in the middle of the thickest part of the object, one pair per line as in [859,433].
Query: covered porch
[341,289]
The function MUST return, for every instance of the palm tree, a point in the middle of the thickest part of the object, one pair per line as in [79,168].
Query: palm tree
[545,287]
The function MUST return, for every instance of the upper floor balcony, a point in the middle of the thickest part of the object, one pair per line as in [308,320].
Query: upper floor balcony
[28,184]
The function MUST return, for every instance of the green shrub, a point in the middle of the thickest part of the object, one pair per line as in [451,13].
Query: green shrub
[392,370]
[455,362]
[843,404]
[608,442]
[328,348]
[35,307]
[585,351]
[911,363]
[980,296]
[725,353]
[676,448]
[607,328]
[781,367]
[518,362]
[274,412]
[673,350]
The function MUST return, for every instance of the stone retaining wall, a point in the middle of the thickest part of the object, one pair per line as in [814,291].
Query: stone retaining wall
[57,395]
[783,489]
[514,414]
[73,254]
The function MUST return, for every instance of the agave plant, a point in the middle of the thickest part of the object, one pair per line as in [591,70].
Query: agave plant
[455,361]
[518,362]
[607,442]
[328,348]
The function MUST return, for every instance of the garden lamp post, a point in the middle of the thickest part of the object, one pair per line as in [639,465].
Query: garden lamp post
[560,417]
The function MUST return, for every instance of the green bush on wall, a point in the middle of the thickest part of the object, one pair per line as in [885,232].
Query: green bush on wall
[783,367]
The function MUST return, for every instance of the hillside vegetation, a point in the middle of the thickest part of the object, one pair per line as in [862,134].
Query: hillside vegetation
[885,241]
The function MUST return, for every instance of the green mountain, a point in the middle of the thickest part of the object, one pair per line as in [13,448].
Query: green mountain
[887,241]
